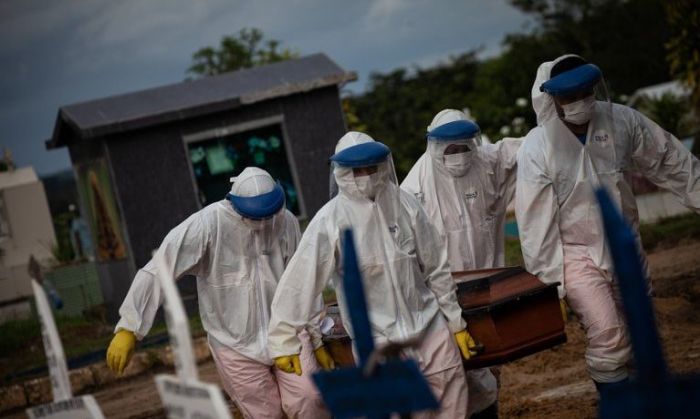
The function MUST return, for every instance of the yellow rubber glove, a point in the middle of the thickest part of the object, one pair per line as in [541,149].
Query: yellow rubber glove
[289,363]
[564,312]
[120,350]
[324,358]
[466,344]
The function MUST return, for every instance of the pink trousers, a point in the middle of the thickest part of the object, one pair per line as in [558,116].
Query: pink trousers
[440,361]
[592,294]
[263,391]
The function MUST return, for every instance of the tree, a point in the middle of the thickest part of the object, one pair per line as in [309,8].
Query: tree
[245,50]
[671,112]
[683,48]
[398,106]
[625,38]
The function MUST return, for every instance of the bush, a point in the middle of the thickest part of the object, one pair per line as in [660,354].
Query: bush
[16,333]
[670,231]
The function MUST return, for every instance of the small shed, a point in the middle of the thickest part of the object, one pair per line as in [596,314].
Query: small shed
[146,160]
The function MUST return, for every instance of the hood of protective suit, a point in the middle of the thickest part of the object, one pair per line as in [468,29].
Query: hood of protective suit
[456,165]
[253,182]
[445,116]
[543,103]
[362,187]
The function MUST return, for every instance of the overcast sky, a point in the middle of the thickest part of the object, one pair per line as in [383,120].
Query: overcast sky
[58,52]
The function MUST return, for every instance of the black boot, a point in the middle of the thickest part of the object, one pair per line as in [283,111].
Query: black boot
[601,387]
[490,412]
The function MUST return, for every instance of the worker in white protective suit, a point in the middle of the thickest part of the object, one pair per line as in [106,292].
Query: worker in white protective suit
[405,273]
[579,144]
[465,187]
[237,248]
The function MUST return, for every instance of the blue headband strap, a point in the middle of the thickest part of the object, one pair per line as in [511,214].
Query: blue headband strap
[260,206]
[576,80]
[361,155]
[455,130]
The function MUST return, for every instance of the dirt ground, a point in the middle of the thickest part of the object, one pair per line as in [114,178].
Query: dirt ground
[554,383]
[550,384]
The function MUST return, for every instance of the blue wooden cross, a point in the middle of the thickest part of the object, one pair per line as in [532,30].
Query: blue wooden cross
[371,389]
[652,392]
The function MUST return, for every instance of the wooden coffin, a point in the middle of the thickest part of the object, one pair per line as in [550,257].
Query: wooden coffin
[338,342]
[508,311]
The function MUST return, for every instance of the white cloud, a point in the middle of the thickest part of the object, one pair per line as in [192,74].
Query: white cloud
[24,22]
[54,52]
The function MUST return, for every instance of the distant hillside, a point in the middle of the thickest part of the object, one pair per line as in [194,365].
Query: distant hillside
[61,191]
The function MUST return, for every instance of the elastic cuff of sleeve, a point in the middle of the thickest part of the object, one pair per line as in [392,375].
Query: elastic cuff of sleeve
[119,328]
[457,325]
[316,341]
[288,350]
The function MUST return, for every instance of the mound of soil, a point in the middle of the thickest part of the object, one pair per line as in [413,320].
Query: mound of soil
[551,384]
[554,383]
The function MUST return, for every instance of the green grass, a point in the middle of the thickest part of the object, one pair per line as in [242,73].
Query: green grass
[329,295]
[21,347]
[17,333]
[664,234]
[670,231]
[514,255]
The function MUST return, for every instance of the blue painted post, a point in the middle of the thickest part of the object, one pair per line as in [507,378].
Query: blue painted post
[355,292]
[387,387]
[632,281]
[653,392]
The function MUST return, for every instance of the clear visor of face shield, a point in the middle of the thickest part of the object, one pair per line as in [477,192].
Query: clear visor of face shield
[440,149]
[384,170]
[463,146]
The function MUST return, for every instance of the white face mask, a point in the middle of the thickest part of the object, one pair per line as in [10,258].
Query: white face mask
[579,112]
[458,164]
[368,185]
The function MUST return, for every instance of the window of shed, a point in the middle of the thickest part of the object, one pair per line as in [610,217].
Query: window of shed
[216,160]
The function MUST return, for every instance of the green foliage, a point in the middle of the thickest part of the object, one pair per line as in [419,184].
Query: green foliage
[245,50]
[16,333]
[670,231]
[683,47]
[398,106]
[684,44]
[665,233]
[329,296]
[21,347]
[352,121]
[514,254]
[625,38]
[501,80]
[673,113]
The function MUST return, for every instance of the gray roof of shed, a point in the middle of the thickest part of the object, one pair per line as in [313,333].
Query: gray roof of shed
[144,108]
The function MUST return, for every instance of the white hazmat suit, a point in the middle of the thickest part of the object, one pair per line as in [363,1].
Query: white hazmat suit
[559,220]
[406,276]
[467,204]
[467,209]
[237,262]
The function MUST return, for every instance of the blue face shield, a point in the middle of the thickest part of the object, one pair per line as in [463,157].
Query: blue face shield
[361,155]
[258,207]
[579,79]
[455,131]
